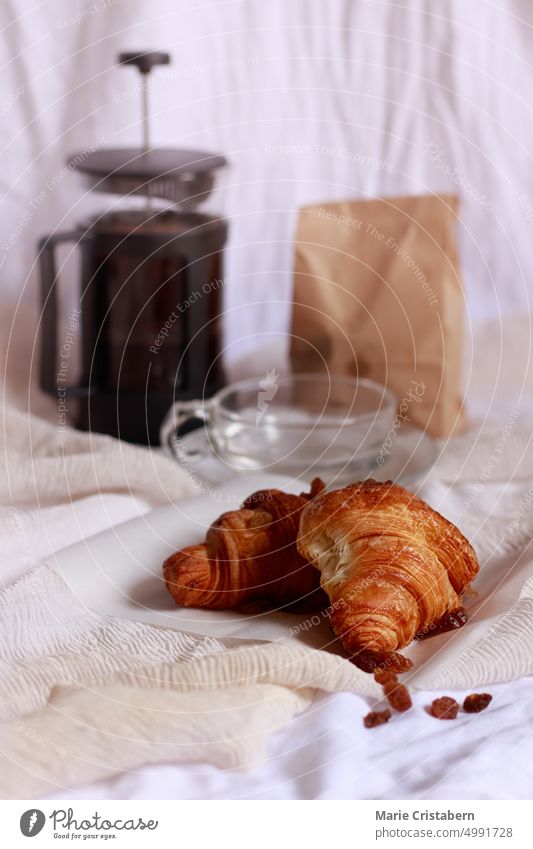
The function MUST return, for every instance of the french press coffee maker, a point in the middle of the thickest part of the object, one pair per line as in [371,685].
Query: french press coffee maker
[150,289]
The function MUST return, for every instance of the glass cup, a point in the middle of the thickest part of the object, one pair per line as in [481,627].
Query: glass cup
[303,425]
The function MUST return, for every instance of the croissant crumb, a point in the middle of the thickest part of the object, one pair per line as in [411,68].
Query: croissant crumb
[444,708]
[376,717]
[397,695]
[476,702]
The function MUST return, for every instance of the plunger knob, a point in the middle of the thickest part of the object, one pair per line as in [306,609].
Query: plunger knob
[144,60]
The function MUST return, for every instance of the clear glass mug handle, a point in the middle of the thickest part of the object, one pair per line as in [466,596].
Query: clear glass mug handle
[170,438]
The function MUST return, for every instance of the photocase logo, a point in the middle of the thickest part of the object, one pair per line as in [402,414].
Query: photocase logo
[269,388]
[32,822]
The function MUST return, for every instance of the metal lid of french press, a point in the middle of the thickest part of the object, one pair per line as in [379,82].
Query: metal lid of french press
[183,177]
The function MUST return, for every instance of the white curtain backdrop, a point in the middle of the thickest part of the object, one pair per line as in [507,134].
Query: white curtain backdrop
[310,100]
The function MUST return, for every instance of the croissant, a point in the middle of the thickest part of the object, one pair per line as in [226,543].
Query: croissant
[248,555]
[392,567]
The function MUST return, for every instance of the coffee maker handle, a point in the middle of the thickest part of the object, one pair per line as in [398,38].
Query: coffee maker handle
[49,306]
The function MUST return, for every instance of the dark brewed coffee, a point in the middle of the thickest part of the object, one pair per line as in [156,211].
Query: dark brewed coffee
[151,302]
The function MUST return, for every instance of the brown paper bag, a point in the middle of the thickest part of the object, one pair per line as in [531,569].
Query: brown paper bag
[377,294]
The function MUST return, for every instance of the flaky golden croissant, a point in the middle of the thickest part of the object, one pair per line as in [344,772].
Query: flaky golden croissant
[391,566]
[248,555]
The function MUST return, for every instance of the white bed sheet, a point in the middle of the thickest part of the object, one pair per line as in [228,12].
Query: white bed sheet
[326,753]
